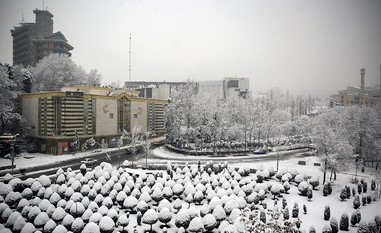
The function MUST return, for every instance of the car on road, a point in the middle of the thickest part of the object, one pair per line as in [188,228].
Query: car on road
[261,151]
[89,161]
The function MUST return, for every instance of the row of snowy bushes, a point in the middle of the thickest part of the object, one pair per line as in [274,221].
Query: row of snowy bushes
[193,198]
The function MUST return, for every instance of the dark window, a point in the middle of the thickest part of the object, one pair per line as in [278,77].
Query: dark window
[111,115]
[232,83]
[149,93]
[135,115]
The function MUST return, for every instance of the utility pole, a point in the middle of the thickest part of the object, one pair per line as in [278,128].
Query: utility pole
[129,66]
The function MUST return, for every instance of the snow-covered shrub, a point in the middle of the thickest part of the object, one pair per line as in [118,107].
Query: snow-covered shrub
[86,215]
[69,191]
[348,191]
[95,217]
[130,203]
[121,197]
[28,228]
[113,214]
[276,189]
[314,181]
[343,194]
[165,215]
[11,219]
[19,224]
[286,213]
[372,227]
[58,214]
[49,226]
[196,225]
[309,194]
[299,178]
[123,221]
[45,181]
[355,218]
[77,225]
[91,227]
[312,230]
[363,227]
[41,219]
[364,186]
[230,205]
[150,217]
[93,206]
[305,209]
[27,193]
[142,206]
[103,210]
[356,202]
[295,210]
[284,203]
[363,200]
[327,229]
[327,212]
[230,229]
[16,184]
[359,187]
[106,225]
[107,202]
[325,190]
[77,209]
[209,222]
[373,185]
[177,204]
[219,213]
[234,215]
[182,218]
[67,221]
[334,225]
[262,216]
[12,199]
[303,188]
[33,213]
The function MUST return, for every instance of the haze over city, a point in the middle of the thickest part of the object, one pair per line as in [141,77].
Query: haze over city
[301,46]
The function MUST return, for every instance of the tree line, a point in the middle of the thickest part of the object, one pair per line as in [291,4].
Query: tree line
[195,120]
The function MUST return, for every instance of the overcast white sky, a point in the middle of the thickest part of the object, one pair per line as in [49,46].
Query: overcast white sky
[303,46]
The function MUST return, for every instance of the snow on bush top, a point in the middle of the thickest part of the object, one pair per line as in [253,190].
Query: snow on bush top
[196,225]
[106,224]
[91,227]
[150,216]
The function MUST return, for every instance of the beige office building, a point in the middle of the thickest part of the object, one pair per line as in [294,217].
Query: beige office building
[88,112]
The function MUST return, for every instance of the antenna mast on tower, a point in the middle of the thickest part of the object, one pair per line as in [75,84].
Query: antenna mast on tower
[129,66]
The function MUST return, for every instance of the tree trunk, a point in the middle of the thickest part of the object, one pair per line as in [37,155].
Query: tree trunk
[325,170]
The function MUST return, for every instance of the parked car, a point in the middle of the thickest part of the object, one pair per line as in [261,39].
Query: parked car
[89,161]
[261,151]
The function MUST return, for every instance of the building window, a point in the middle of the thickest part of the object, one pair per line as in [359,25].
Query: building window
[135,115]
[111,115]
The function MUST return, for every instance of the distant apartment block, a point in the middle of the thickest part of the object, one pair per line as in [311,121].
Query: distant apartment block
[358,96]
[33,41]
[89,112]
[226,88]
[155,90]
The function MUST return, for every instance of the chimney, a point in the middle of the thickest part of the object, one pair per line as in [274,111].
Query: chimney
[362,79]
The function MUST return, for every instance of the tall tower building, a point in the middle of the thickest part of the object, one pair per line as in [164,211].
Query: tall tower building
[33,41]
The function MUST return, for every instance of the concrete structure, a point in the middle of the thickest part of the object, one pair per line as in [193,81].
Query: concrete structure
[236,87]
[216,87]
[360,96]
[227,88]
[153,90]
[33,41]
[89,112]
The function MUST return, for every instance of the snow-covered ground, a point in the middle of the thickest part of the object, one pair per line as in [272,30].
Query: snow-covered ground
[315,208]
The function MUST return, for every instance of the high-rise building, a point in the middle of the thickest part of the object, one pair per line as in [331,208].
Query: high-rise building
[33,41]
